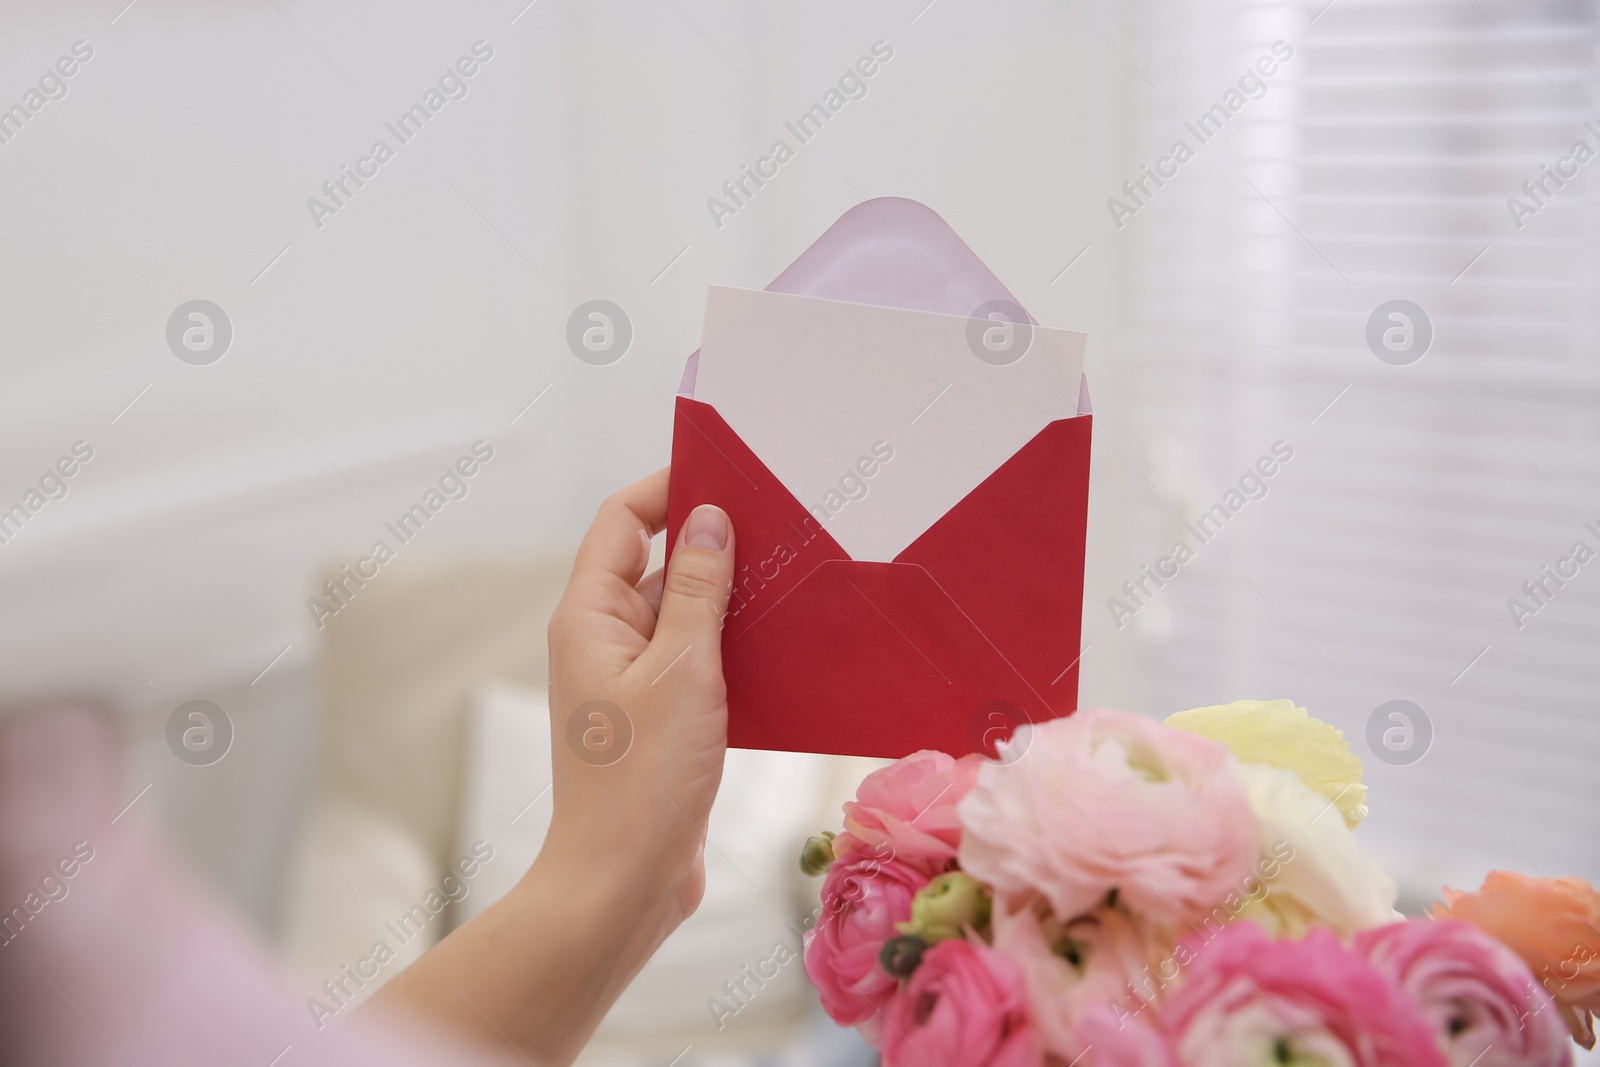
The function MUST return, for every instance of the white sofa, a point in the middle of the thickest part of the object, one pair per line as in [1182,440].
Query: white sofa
[436,737]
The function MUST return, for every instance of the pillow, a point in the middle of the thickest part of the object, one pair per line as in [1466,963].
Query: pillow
[755,898]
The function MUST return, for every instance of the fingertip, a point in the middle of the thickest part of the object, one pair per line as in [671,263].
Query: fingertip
[708,527]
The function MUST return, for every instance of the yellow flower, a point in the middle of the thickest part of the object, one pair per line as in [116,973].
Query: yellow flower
[1277,733]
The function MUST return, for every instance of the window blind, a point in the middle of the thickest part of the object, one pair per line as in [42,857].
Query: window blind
[1384,559]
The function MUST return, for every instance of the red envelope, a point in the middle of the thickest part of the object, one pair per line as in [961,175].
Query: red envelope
[972,629]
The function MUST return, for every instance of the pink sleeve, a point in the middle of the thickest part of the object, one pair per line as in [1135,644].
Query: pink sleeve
[111,954]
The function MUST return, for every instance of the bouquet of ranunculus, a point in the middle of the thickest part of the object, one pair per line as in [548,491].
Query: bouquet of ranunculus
[1116,891]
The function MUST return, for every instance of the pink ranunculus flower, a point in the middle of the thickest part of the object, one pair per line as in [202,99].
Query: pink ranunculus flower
[1482,1000]
[863,897]
[963,1006]
[1553,924]
[1114,1038]
[1072,968]
[1245,998]
[910,807]
[1106,800]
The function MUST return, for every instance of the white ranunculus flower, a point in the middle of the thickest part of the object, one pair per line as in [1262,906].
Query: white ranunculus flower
[1314,872]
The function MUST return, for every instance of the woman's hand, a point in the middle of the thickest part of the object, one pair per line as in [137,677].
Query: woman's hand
[638,709]
[639,725]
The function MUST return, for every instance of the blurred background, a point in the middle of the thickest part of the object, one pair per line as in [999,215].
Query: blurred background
[1420,545]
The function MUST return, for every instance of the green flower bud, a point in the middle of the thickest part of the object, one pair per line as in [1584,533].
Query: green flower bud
[901,955]
[817,855]
[946,906]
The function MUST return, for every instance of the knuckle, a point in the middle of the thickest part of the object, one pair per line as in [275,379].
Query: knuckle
[696,578]
[605,515]
[614,507]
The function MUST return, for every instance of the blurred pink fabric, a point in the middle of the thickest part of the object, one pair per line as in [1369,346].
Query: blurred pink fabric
[135,965]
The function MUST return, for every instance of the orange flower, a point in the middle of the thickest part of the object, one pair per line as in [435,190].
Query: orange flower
[1553,924]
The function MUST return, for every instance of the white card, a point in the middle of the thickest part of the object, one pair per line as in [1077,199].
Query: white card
[877,419]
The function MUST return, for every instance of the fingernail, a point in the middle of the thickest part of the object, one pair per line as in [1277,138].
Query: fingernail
[707,528]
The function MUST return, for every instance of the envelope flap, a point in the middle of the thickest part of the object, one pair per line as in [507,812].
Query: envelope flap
[891,252]
[897,253]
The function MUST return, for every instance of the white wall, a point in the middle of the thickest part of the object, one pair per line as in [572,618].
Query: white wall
[380,346]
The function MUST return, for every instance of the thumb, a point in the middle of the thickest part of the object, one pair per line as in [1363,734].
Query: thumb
[694,595]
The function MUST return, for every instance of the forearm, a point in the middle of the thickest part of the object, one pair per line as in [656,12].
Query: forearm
[541,966]
[622,864]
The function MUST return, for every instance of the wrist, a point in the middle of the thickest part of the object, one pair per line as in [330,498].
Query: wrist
[617,895]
